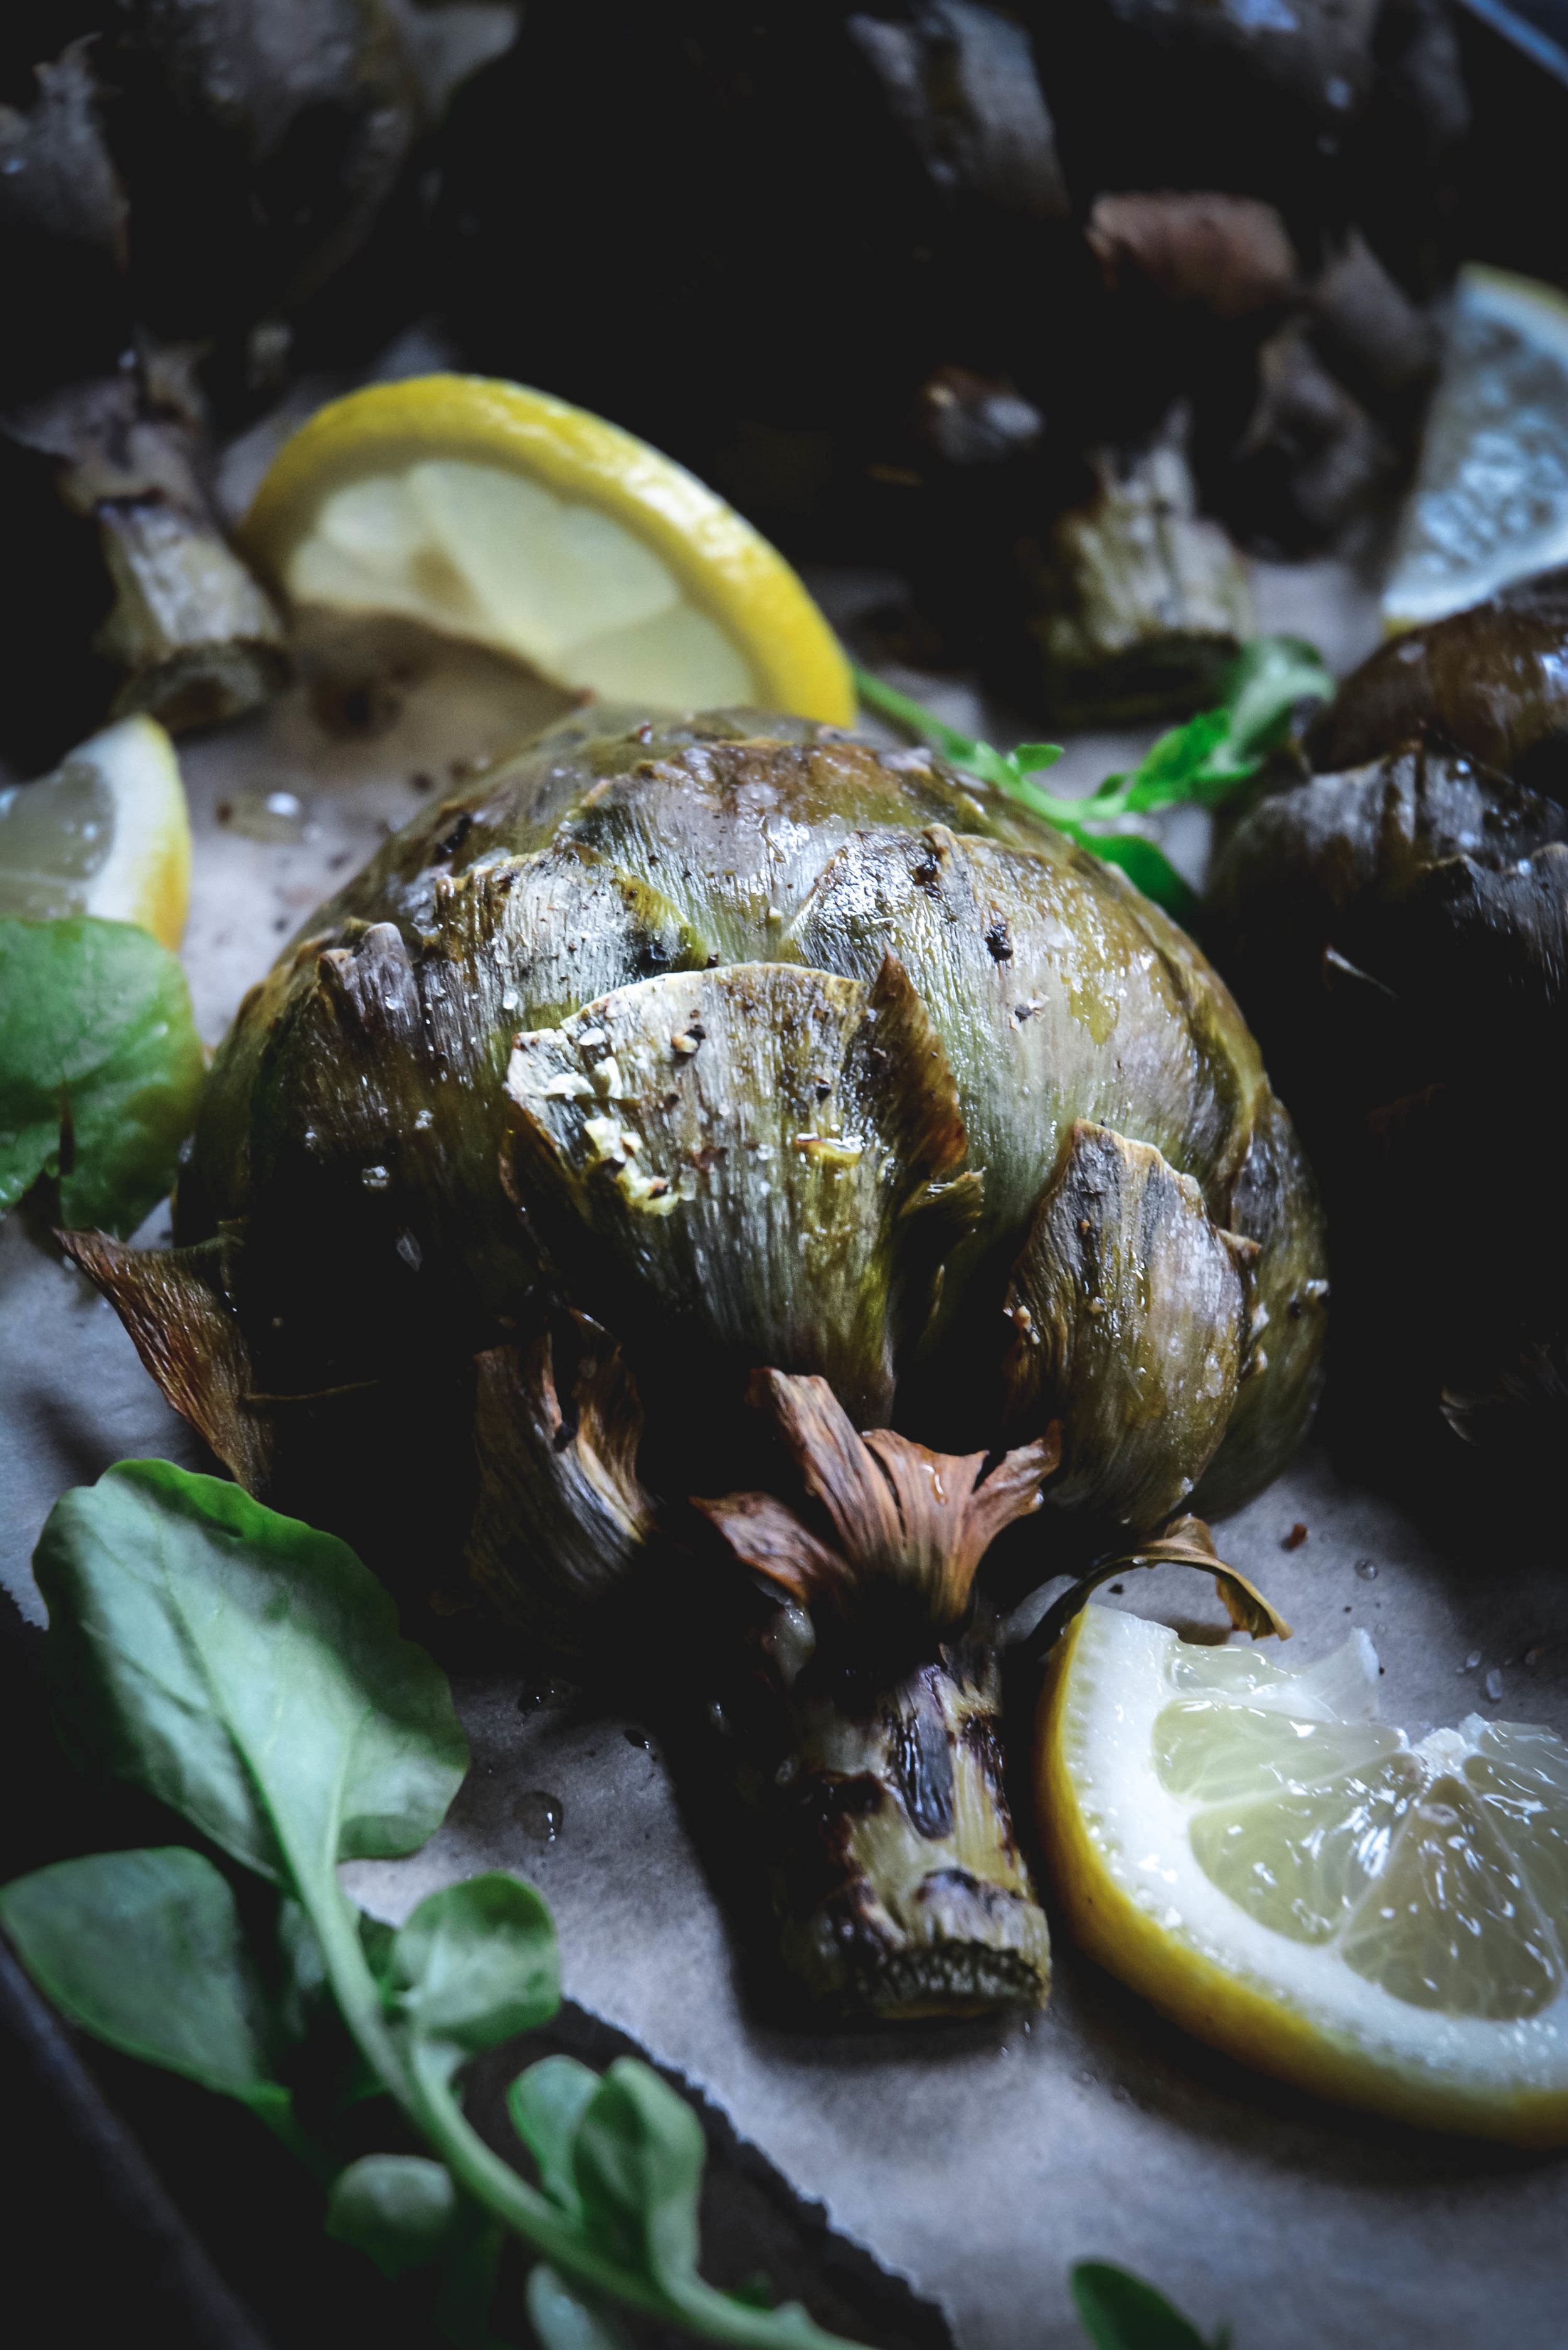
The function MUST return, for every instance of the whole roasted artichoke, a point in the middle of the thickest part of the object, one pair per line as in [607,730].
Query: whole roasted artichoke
[716,1175]
[1397,933]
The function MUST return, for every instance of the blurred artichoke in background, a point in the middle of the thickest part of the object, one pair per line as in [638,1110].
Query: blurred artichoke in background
[717,1176]
[962,260]
[1397,933]
[181,180]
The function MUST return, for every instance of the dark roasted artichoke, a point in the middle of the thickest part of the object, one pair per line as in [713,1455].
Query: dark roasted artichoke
[1398,935]
[651,1155]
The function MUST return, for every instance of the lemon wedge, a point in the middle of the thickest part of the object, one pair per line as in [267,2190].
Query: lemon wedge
[1291,1879]
[108,833]
[1491,501]
[496,514]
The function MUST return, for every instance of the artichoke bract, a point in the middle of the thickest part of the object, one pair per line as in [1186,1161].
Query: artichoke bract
[713,1173]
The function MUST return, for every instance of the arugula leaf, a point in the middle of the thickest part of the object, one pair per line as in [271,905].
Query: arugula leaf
[1119,2311]
[248,1671]
[404,2213]
[477,1964]
[400,2210]
[561,2320]
[546,2103]
[99,1067]
[144,1950]
[638,2158]
[1201,763]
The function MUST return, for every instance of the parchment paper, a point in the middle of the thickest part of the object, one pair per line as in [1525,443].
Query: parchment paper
[977,2161]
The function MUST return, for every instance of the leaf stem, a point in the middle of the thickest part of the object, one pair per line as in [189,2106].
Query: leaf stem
[416,2076]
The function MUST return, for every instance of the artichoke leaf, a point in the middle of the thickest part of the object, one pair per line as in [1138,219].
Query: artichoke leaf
[178,1307]
[750,825]
[1187,1541]
[751,1154]
[1128,1306]
[1060,995]
[561,1501]
[902,1514]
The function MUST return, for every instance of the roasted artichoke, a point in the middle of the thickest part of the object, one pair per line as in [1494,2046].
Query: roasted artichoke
[621,1185]
[1397,933]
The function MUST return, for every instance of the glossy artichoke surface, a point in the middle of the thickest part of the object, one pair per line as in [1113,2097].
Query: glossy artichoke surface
[1399,934]
[1491,683]
[713,1141]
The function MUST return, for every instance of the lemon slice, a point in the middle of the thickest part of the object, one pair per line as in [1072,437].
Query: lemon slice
[499,514]
[107,833]
[1491,501]
[1291,1879]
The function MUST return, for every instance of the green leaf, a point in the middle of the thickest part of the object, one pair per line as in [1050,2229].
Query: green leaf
[99,1067]
[1269,679]
[144,1950]
[1119,2311]
[1030,757]
[247,1670]
[546,2103]
[1147,865]
[562,2320]
[403,2212]
[638,2161]
[400,2210]
[475,1965]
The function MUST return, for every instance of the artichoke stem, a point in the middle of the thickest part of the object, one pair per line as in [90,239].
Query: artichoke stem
[897,1874]
[898,1881]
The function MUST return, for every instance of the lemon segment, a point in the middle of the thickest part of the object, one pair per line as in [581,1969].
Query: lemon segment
[496,514]
[1491,500]
[108,833]
[1295,1882]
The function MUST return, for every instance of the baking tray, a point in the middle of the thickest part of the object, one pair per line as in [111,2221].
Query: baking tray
[974,2161]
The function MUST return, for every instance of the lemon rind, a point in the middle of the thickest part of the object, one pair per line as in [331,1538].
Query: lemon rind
[1222,2007]
[724,566]
[146,879]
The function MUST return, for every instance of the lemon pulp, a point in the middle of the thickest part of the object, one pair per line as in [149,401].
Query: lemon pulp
[1294,1881]
[108,833]
[1491,501]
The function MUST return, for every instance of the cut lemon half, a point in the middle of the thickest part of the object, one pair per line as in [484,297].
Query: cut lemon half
[496,514]
[108,833]
[1291,1880]
[1491,501]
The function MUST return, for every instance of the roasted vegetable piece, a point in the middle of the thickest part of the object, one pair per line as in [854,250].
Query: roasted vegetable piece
[712,1144]
[1398,935]
[1491,682]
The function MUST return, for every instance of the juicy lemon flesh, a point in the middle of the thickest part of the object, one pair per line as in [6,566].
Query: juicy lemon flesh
[475,552]
[493,513]
[108,833]
[1491,501]
[1291,1879]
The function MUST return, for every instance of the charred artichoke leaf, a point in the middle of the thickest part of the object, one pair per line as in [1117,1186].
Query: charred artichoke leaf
[1187,1541]
[749,1153]
[378,1097]
[178,1307]
[560,1518]
[903,1517]
[1129,1307]
[749,826]
[1032,966]
[1273,1205]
